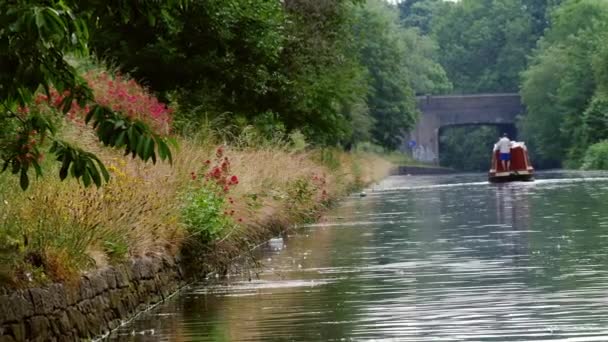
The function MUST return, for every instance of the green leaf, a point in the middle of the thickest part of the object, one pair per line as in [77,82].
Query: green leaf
[37,168]
[91,169]
[86,178]
[140,147]
[120,140]
[93,112]
[148,149]
[24,180]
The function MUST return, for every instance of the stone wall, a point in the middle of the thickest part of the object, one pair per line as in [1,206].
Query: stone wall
[454,110]
[94,306]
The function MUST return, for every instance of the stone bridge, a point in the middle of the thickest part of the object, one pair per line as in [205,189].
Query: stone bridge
[442,111]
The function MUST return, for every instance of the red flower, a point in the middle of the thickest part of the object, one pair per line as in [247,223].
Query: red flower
[207,161]
[234,180]
[193,175]
[219,152]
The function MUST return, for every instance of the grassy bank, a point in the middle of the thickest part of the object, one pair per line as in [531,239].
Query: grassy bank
[216,199]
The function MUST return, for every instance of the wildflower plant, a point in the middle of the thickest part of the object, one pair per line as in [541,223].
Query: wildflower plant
[38,37]
[208,211]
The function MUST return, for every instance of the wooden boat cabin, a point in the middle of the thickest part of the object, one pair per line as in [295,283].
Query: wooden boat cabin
[521,169]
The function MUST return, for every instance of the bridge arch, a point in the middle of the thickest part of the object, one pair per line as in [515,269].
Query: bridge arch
[442,111]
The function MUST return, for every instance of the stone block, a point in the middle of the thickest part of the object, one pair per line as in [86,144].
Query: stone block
[59,296]
[38,328]
[6,312]
[94,323]
[86,290]
[110,277]
[18,331]
[6,338]
[123,277]
[21,305]
[42,300]
[78,321]
[72,295]
[98,283]
[64,324]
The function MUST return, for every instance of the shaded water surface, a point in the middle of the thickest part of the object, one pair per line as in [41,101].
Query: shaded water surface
[447,258]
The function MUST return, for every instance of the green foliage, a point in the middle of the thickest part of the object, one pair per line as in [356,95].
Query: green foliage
[324,81]
[563,87]
[596,157]
[485,43]
[420,13]
[328,157]
[302,61]
[134,136]
[203,213]
[35,38]
[467,148]
[301,200]
[595,120]
[116,251]
[84,165]
[425,73]
[218,53]
[383,52]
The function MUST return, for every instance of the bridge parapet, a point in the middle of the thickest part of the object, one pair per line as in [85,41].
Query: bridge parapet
[440,111]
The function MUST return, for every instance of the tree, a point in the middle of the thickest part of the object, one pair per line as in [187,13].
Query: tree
[420,13]
[484,44]
[383,52]
[324,79]
[562,88]
[215,53]
[425,73]
[467,148]
[34,41]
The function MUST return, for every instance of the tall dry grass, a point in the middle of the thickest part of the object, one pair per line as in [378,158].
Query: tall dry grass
[56,230]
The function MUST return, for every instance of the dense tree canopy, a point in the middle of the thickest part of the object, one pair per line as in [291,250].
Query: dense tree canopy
[36,37]
[564,88]
[485,43]
[340,71]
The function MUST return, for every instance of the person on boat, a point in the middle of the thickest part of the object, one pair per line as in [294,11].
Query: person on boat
[504,146]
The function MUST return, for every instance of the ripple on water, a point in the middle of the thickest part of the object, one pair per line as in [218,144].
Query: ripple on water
[447,258]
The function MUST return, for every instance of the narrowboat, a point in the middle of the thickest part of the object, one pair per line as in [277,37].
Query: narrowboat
[521,169]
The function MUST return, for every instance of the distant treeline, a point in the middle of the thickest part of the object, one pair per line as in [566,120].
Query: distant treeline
[555,53]
[339,71]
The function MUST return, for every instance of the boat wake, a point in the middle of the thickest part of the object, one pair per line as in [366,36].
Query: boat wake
[538,182]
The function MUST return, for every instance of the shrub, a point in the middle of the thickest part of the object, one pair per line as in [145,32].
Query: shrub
[207,213]
[204,213]
[596,157]
[117,93]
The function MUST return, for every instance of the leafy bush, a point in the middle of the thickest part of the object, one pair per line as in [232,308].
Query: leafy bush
[596,157]
[206,212]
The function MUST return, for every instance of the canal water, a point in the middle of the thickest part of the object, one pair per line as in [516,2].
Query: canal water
[444,258]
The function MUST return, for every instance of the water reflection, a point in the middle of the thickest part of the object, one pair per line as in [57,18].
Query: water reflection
[420,259]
